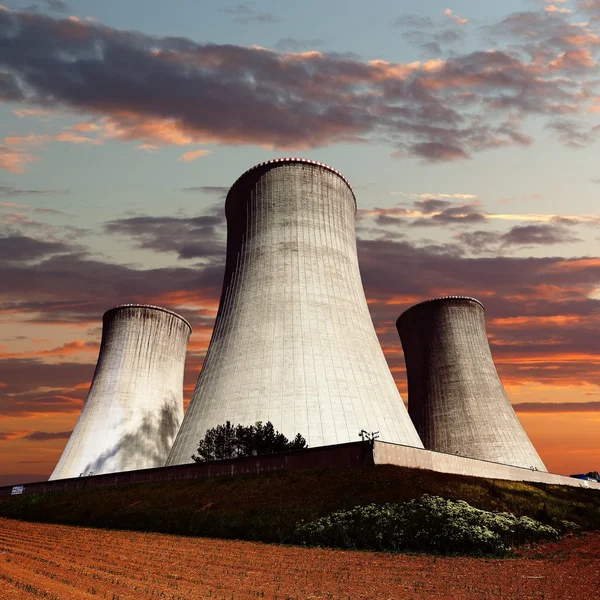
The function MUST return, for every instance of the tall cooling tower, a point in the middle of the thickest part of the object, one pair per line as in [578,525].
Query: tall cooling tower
[135,404]
[293,341]
[455,397]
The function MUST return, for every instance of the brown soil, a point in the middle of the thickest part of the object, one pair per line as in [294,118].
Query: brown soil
[59,562]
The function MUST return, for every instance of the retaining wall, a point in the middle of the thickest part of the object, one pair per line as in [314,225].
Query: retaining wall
[404,456]
[353,454]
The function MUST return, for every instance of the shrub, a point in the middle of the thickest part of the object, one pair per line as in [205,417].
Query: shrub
[428,524]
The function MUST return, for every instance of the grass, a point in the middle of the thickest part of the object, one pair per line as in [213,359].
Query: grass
[268,507]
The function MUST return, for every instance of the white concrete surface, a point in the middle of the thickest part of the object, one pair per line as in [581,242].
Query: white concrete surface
[135,404]
[294,342]
[404,456]
[455,397]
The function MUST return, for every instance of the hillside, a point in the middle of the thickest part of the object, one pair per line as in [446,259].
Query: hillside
[267,507]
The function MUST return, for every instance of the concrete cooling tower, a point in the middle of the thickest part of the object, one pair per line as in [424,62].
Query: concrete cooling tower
[455,397]
[293,341]
[135,404]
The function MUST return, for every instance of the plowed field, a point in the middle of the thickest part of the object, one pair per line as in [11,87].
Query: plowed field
[56,562]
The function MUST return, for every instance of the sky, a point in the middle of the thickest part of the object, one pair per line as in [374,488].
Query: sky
[469,131]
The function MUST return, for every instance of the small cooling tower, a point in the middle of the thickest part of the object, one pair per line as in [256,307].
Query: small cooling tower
[135,404]
[455,397]
[293,341]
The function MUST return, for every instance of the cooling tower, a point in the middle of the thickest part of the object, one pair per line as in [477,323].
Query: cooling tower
[293,341]
[135,404]
[455,397]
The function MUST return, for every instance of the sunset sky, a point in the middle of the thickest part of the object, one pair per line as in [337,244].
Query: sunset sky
[469,132]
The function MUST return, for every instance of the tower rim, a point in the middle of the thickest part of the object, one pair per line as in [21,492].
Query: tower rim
[441,300]
[292,160]
[119,307]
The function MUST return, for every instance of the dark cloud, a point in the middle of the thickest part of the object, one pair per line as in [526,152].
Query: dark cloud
[295,45]
[165,90]
[537,234]
[35,436]
[573,134]
[19,248]
[57,6]
[465,214]
[556,407]
[245,13]
[437,151]
[540,234]
[412,21]
[201,237]
[10,90]
[43,436]
[213,190]
[9,191]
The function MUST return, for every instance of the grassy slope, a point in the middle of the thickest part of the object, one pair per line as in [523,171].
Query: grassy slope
[267,507]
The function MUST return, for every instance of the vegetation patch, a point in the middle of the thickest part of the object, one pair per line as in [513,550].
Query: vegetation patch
[429,524]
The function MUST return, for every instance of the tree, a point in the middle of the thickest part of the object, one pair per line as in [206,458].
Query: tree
[227,441]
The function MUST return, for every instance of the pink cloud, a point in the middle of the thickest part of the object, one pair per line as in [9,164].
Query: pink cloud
[453,17]
[573,59]
[13,160]
[189,156]
[38,140]
[558,9]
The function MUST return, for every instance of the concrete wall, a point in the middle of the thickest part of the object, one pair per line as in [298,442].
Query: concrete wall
[293,341]
[455,397]
[135,404]
[405,456]
[357,454]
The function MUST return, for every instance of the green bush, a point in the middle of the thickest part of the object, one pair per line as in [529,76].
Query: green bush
[428,524]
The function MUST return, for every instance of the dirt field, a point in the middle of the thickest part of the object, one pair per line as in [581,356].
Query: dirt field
[56,562]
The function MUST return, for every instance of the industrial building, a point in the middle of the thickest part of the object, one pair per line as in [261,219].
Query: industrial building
[455,397]
[135,403]
[293,341]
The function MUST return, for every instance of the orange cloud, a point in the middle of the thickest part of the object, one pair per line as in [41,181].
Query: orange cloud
[573,59]
[13,160]
[84,127]
[67,349]
[130,126]
[460,20]
[193,155]
[558,10]
[38,140]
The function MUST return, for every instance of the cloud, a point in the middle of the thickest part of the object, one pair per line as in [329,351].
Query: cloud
[67,349]
[296,45]
[244,13]
[413,21]
[544,234]
[522,236]
[558,9]
[201,237]
[193,155]
[20,248]
[35,436]
[49,5]
[214,190]
[556,407]
[13,160]
[40,140]
[453,17]
[159,91]
[9,191]
[573,134]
